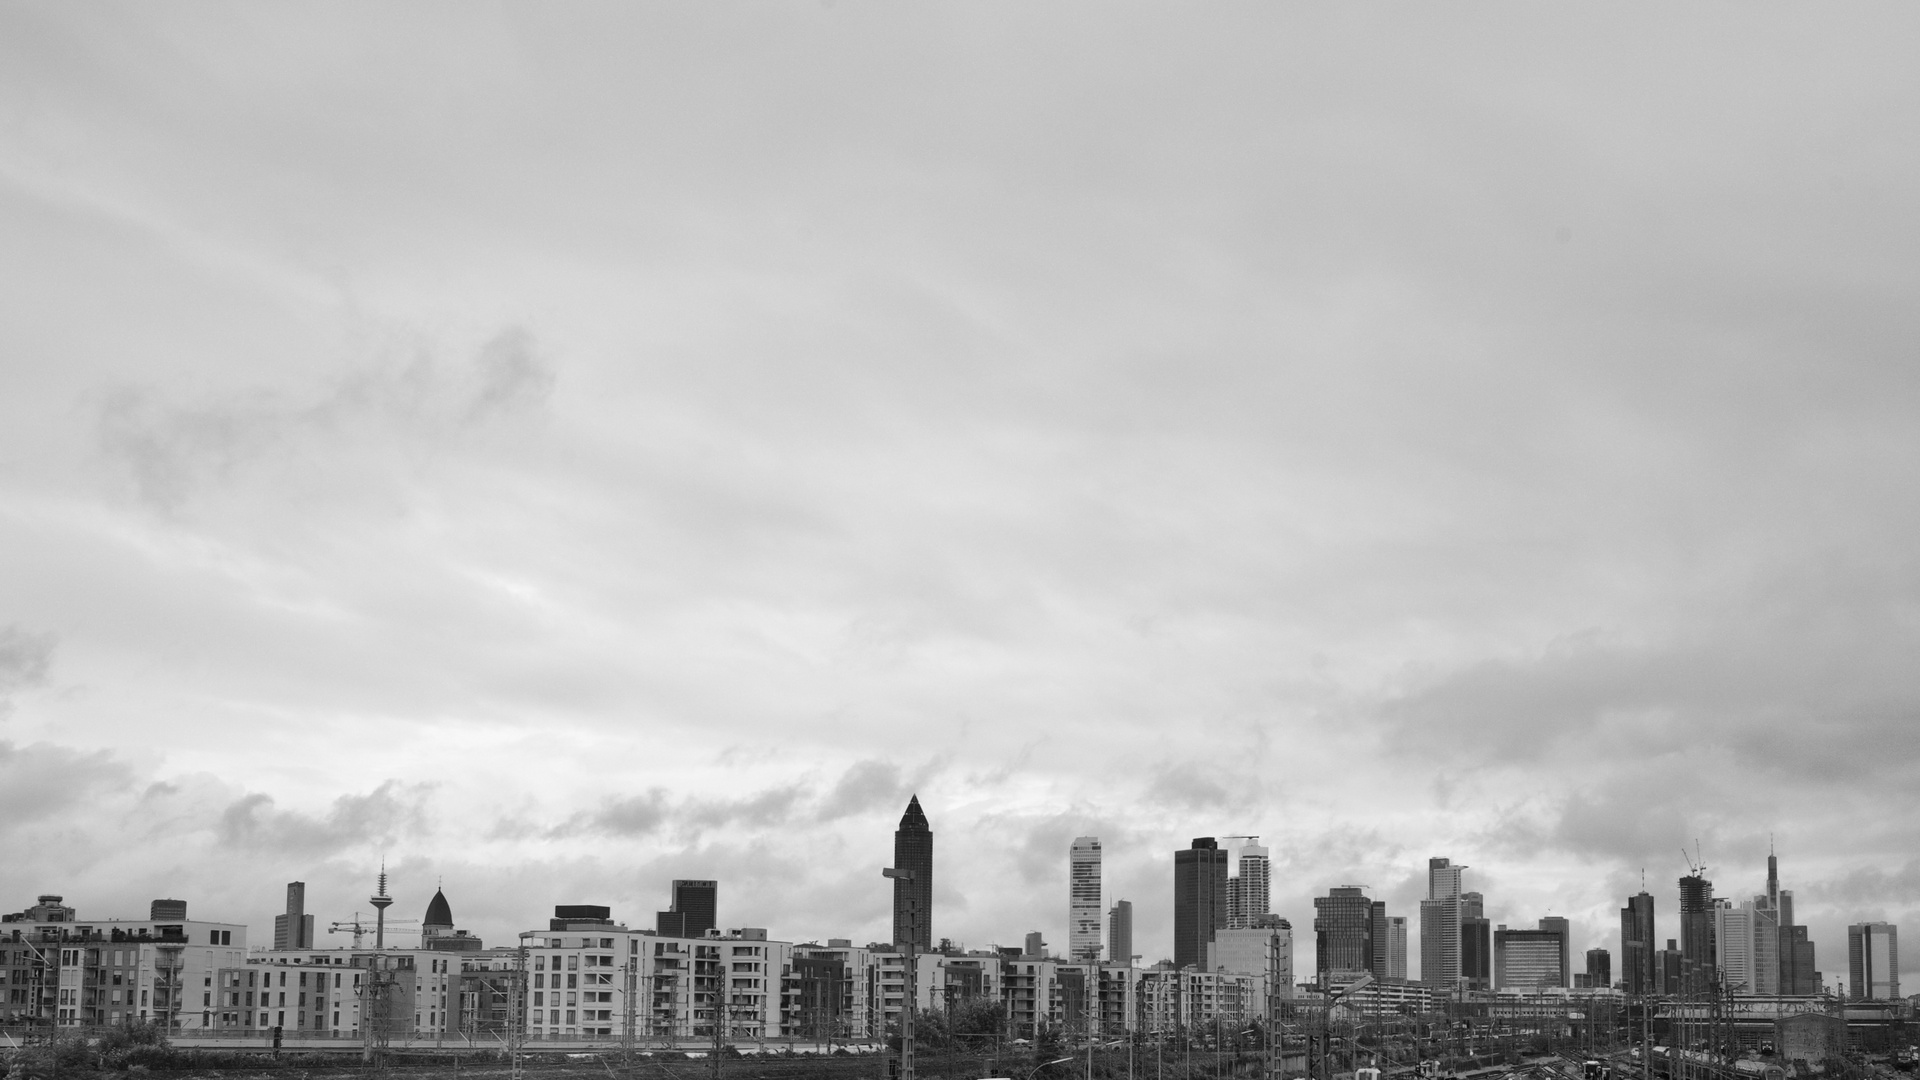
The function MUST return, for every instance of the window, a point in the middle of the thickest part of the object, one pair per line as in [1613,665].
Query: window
[539,998]
[573,963]
[573,981]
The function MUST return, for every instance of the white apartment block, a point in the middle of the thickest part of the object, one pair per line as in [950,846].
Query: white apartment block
[69,971]
[1184,999]
[589,981]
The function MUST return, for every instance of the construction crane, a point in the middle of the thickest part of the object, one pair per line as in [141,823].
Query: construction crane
[360,930]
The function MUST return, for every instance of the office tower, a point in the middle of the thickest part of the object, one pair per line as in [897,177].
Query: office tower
[1531,959]
[1669,963]
[1560,926]
[1698,959]
[1199,900]
[1476,953]
[1397,948]
[913,896]
[1440,924]
[1797,963]
[1036,944]
[1249,888]
[1342,935]
[1120,933]
[1798,975]
[1733,933]
[1873,961]
[1264,948]
[1636,945]
[694,911]
[1599,969]
[1377,930]
[1765,945]
[294,930]
[1083,900]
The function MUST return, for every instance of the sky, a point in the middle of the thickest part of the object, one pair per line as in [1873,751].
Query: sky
[560,449]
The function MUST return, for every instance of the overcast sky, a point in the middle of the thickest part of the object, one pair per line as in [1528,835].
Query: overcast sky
[559,449]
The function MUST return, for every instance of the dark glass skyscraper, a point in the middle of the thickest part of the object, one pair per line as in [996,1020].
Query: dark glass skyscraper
[695,909]
[1637,945]
[1698,958]
[1342,934]
[1199,900]
[913,898]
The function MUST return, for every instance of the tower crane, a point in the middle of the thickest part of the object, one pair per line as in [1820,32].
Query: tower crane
[360,930]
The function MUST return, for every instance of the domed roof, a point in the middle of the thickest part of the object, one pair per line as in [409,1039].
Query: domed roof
[439,913]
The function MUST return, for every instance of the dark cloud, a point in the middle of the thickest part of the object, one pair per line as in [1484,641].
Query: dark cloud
[392,812]
[25,658]
[510,375]
[41,780]
[865,786]
[173,450]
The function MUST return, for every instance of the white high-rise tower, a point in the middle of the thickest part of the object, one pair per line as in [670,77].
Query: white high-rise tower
[1083,900]
[1249,891]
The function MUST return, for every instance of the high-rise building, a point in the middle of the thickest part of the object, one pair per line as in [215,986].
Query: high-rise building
[913,895]
[1559,925]
[1264,949]
[1698,958]
[1120,933]
[1873,961]
[1249,889]
[1476,943]
[1637,945]
[1199,900]
[1797,974]
[294,930]
[1734,932]
[694,911]
[1342,935]
[1599,969]
[1397,948]
[1531,959]
[1440,924]
[1669,964]
[1476,953]
[1382,941]
[1083,900]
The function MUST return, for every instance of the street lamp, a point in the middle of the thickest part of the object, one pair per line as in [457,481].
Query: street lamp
[1044,1064]
[908,999]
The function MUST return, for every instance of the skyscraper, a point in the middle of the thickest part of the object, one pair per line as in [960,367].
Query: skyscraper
[1199,900]
[694,911]
[913,897]
[1342,935]
[1249,890]
[1797,975]
[1083,900]
[1382,940]
[1559,925]
[1637,944]
[1873,961]
[1476,943]
[294,930]
[1397,948]
[1120,933]
[1734,932]
[1440,924]
[1698,959]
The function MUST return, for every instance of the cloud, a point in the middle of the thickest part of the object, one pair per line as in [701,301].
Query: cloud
[25,659]
[41,780]
[866,785]
[392,812]
[174,451]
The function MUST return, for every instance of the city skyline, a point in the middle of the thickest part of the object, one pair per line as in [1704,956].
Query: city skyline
[559,451]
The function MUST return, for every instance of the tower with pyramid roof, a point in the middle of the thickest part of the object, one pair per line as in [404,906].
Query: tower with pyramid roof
[913,897]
